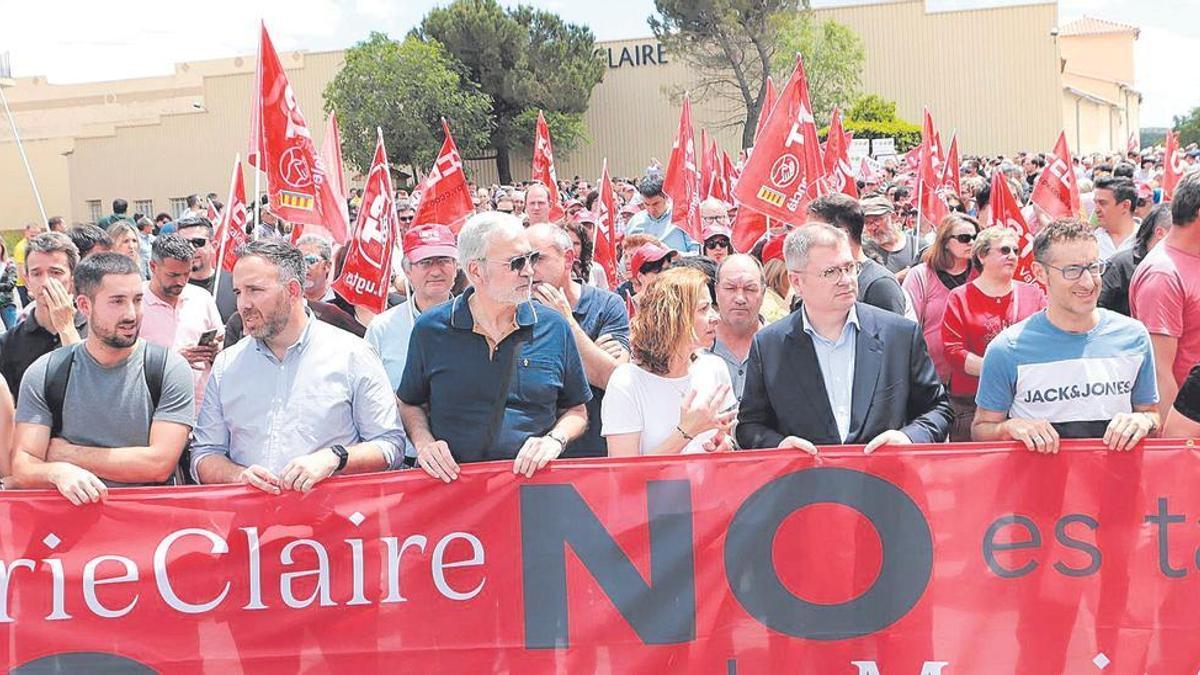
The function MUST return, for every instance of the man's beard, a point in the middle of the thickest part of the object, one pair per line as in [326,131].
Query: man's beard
[115,340]
[273,321]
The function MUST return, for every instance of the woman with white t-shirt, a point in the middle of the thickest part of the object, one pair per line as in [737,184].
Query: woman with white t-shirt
[671,399]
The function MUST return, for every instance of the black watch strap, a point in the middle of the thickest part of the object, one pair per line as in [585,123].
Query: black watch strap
[343,456]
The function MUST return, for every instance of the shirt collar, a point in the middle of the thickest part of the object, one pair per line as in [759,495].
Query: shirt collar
[152,298]
[586,296]
[300,345]
[31,325]
[461,318]
[851,320]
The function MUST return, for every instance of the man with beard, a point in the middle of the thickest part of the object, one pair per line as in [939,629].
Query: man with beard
[489,375]
[198,232]
[136,435]
[176,314]
[298,402]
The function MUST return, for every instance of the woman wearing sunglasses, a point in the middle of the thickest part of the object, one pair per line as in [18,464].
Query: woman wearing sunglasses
[946,266]
[977,311]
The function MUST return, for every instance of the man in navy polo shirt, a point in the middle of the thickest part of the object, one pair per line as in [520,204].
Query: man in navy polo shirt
[488,375]
[593,313]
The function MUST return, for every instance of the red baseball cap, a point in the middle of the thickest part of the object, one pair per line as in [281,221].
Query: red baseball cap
[429,241]
[648,253]
[715,230]
[773,249]
[585,216]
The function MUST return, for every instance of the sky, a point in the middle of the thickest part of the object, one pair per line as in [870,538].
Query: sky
[85,40]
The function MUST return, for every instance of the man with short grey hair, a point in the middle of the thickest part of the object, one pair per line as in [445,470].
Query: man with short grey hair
[488,376]
[298,402]
[318,256]
[838,371]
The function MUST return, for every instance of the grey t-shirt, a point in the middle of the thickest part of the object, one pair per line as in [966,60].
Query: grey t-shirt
[895,261]
[109,407]
[878,287]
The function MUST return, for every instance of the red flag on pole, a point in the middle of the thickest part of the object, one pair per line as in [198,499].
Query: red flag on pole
[782,174]
[765,111]
[682,179]
[1057,190]
[731,173]
[605,241]
[282,147]
[839,176]
[929,176]
[709,167]
[445,198]
[543,167]
[231,228]
[722,181]
[1172,166]
[1006,212]
[950,175]
[331,158]
[367,273]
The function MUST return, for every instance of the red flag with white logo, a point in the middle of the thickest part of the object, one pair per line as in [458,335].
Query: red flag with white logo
[605,240]
[331,157]
[682,180]
[783,173]
[765,111]
[231,228]
[721,183]
[731,173]
[950,175]
[1006,212]
[445,198]
[543,167]
[839,177]
[282,147]
[929,175]
[1057,190]
[367,273]
[708,165]
[1173,166]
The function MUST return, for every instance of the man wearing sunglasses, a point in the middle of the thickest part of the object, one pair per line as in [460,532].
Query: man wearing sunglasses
[895,249]
[1072,370]
[405,213]
[489,375]
[198,231]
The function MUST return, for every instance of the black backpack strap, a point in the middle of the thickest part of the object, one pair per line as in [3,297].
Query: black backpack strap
[58,372]
[154,368]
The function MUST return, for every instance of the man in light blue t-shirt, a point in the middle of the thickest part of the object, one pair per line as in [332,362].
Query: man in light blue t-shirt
[656,218]
[1072,370]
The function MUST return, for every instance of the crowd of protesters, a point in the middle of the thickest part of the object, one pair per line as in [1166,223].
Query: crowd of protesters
[130,358]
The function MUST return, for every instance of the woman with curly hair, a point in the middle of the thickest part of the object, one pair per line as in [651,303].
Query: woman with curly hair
[671,399]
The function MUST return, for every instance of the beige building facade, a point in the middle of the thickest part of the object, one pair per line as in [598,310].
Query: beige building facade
[999,77]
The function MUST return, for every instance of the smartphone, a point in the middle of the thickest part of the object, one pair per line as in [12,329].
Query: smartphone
[208,337]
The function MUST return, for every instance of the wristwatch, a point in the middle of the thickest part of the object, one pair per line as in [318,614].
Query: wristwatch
[562,441]
[343,456]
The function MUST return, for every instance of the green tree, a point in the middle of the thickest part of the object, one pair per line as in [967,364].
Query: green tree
[1188,127]
[526,60]
[872,116]
[731,46]
[405,88]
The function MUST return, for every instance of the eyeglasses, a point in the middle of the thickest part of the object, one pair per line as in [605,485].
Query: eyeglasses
[963,238]
[714,219]
[313,259]
[1073,272]
[518,263]
[836,273]
[1009,250]
[407,219]
[716,243]
[439,261]
[199,242]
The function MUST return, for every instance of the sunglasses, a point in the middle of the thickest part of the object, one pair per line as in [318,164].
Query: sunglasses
[716,243]
[407,219]
[198,242]
[518,263]
[313,259]
[963,238]
[1005,250]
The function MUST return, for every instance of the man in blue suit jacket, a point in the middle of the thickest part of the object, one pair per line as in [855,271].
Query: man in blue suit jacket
[837,371]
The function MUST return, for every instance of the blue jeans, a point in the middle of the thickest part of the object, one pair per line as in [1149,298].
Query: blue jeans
[9,314]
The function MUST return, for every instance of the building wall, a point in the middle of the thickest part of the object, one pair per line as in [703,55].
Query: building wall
[1105,55]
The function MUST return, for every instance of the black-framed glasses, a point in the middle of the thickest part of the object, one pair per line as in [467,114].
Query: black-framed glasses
[407,219]
[716,243]
[198,242]
[963,238]
[1073,272]
[517,263]
[713,219]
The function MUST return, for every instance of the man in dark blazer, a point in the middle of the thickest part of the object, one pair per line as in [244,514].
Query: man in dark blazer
[837,371]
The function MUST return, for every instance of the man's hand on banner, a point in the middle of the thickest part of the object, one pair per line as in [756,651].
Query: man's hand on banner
[1127,430]
[259,477]
[1037,435]
[536,454]
[889,437]
[437,461]
[794,443]
[305,471]
[78,484]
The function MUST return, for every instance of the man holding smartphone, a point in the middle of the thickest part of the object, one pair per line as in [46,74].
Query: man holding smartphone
[177,315]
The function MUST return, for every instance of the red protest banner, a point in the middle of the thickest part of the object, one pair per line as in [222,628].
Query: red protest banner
[839,177]
[543,166]
[1173,166]
[931,559]
[367,272]
[681,182]
[444,198]
[951,177]
[605,238]
[1006,212]
[1057,190]
[231,228]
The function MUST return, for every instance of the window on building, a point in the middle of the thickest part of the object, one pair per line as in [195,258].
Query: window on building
[144,206]
[94,212]
[178,206]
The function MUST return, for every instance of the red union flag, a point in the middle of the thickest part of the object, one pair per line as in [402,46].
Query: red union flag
[950,175]
[1057,190]
[1006,212]
[839,177]
[765,112]
[708,164]
[929,175]
[543,166]
[367,273]
[231,229]
[331,159]
[783,173]
[445,198]
[282,146]
[682,179]
[722,178]
[605,242]
[1173,166]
